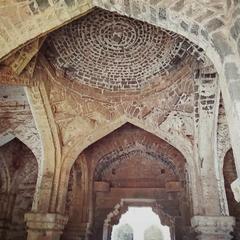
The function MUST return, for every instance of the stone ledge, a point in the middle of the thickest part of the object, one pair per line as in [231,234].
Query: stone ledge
[213,225]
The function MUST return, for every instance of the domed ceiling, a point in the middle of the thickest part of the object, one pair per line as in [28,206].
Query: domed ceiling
[108,51]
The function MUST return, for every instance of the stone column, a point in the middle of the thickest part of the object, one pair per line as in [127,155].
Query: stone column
[43,223]
[206,102]
[213,227]
[107,231]
[45,226]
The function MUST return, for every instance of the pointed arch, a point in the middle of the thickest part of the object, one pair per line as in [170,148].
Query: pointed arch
[27,135]
[176,141]
[20,169]
[122,207]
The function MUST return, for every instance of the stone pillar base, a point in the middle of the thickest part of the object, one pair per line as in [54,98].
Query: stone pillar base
[213,228]
[45,226]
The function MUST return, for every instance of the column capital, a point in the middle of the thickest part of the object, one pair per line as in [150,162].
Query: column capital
[213,227]
[45,225]
[46,221]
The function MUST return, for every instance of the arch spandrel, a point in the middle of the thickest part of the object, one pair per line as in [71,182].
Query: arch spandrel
[36,18]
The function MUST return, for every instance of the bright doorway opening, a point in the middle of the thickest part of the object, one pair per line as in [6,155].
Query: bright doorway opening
[140,223]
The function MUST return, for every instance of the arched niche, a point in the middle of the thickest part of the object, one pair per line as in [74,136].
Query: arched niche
[19,170]
[132,145]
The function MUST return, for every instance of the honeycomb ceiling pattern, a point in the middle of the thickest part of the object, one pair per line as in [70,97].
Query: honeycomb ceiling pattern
[109,51]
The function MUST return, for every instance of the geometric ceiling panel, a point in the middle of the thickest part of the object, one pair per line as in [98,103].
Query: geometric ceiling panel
[106,50]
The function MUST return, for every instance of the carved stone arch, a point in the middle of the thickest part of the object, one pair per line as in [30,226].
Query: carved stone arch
[107,161]
[29,138]
[113,219]
[122,207]
[114,216]
[165,218]
[175,140]
[75,150]
[12,183]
